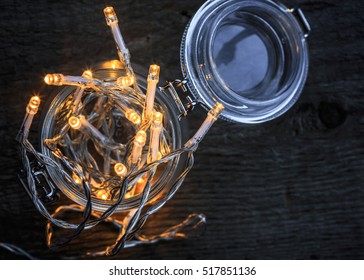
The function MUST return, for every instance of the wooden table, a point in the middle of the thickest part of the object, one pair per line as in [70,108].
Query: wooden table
[288,189]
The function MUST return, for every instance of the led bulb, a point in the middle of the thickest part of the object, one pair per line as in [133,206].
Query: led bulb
[216,110]
[153,79]
[157,118]
[120,169]
[133,116]
[33,105]
[75,122]
[110,16]
[87,74]
[102,194]
[54,79]
[155,132]
[141,138]
[154,71]
[139,142]
[77,179]
[126,81]
[212,116]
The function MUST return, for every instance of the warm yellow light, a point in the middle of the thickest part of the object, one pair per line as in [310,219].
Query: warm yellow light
[216,110]
[133,116]
[33,105]
[54,79]
[140,185]
[157,118]
[126,81]
[141,137]
[154,71]
[77,179]
[110,16]
[141,180]
[87,74]
[34,102]
[159,155]
[102,194]
[75,122]
[120,169]
[47,79]
[155,132]
[138,144]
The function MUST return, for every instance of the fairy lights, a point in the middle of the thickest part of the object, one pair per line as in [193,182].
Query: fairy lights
[108,141]
[138,144]
[209,121]
[87,74]
[156,129]
[123,52]
[54,79]
[33,105]
[126,81]
[75,122]
[120,169]
[153,79]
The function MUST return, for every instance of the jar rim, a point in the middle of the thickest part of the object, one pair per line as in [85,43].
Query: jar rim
[253,88]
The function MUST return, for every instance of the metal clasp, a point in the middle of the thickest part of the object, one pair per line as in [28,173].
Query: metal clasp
[42,182]
[300,15]
[171,88]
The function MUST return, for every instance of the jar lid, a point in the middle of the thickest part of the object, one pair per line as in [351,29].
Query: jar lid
[251,56]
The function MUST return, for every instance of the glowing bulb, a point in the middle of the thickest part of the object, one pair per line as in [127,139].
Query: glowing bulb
[212,116]
[157,118]
[102,194]
[77,179]
[141,137]
[75,122]
[139,142]
[133,116]
[110,16]
[154,71]
[87,74]
[126,81]
[155,132]
[54,79]
[216,110]
[120,169]
[33,105]
[153,79]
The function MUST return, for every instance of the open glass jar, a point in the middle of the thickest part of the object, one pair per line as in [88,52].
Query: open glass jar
[113,143]
[123,132]
[251,56]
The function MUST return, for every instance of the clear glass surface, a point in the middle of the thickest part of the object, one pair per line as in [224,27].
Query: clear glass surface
[249,55]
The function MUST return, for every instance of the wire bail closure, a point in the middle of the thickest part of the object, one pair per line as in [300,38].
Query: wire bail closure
[170,89]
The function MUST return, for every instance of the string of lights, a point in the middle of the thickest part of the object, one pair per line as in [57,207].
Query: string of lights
[110,143]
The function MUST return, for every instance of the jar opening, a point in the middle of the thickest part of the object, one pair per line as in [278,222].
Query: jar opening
[249,55]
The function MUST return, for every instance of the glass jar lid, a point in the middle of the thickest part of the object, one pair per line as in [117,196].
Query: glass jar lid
[251,56]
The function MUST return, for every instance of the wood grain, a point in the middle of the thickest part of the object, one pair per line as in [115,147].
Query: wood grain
[288,189]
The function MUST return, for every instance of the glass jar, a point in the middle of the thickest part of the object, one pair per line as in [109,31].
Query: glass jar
[166,174]
[251,56]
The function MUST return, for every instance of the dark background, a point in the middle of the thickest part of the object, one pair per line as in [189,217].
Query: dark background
[289,189]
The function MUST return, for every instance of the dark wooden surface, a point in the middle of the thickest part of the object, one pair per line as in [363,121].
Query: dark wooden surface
[289,189]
